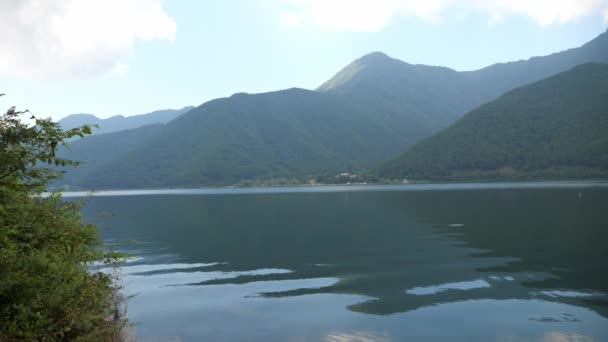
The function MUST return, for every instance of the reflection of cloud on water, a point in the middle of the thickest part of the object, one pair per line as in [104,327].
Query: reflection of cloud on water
[145,277]
[142,278]
[167,268]
[566,337]
[568,294]
[462,285]
[357,336]
[555,336]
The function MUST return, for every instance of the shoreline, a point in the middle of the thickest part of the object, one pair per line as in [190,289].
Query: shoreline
[328,188]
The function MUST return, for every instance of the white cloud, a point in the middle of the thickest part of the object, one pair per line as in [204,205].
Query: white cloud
[76,38]
[545,12]
[290,19]
[343,15]
[120,69]
[374,15]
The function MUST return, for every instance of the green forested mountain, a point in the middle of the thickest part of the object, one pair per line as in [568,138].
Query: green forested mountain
[96,151]
[277,134]
[552,128]
[120,122]
[423,98]
[368,113]
[428,98]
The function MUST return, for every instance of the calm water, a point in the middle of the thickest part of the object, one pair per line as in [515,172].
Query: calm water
[470,262]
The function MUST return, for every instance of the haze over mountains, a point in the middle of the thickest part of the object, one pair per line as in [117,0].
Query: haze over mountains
[120,122]
[371,111]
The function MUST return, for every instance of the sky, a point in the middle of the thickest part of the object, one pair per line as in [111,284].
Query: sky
[109,57]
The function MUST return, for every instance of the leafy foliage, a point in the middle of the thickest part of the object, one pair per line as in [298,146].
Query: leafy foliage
[24,146]
[553,128]
[47,290]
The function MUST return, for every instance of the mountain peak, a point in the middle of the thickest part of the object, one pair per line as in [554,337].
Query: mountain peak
[351,71]
[79,116]
[375,56]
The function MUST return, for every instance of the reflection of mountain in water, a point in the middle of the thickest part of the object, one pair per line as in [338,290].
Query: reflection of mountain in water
[401,250]
[560,232]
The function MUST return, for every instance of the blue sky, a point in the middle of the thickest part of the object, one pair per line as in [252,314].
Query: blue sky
[135,56]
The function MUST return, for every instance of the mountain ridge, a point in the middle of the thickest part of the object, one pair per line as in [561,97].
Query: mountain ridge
[439,95]
[120,122]
[554,127]
[372,115]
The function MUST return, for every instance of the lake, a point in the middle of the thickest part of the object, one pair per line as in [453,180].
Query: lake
[457,262]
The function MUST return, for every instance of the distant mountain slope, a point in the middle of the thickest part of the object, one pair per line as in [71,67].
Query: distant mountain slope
[426,98]
[499,78]
[371,111]
[430,98]
[119,122]
[96,151]
[277,134]
[557,126]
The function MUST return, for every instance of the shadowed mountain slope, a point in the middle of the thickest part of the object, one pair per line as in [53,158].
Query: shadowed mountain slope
[555,127]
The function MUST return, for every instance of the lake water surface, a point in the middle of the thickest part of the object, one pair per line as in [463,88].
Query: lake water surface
[461,262]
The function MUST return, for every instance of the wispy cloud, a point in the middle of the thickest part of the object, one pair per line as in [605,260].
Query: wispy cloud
[76,38]
[374,15]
